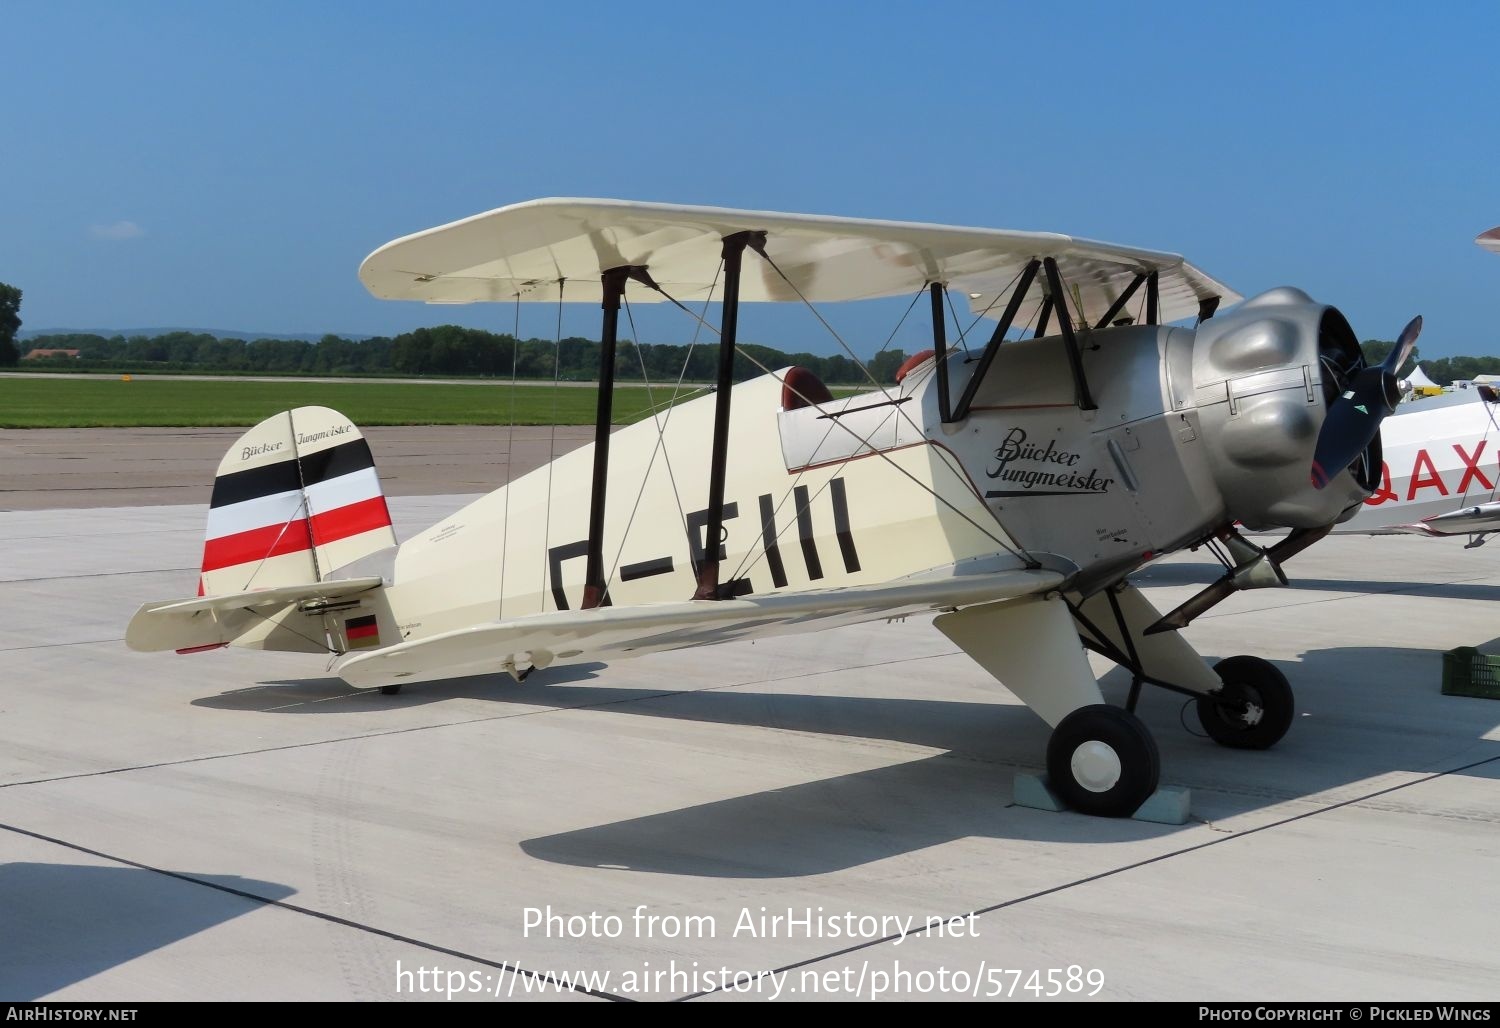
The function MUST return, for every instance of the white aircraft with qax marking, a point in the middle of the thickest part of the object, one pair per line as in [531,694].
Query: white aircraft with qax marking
[1013,489]
[1440,475]
[1440,472]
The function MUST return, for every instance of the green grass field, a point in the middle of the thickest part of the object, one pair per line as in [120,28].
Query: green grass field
[110,403]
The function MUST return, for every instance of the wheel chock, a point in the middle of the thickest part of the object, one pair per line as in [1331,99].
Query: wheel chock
[1033,791]
[1168,805]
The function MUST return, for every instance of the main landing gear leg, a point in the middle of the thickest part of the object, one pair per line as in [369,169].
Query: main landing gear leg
[1101,760]
[1243,702]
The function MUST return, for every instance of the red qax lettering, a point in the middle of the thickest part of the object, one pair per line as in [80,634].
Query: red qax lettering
[1420,481]
[1471,468]
[1385,492]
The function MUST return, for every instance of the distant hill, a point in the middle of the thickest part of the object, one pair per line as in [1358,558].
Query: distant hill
[218,333]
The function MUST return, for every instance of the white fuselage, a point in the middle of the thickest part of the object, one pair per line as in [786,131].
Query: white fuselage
[807,506]
[1437,459]
[866,489]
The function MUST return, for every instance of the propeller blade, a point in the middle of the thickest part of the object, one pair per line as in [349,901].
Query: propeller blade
[1353,420]
[1350,426]
[1404,345]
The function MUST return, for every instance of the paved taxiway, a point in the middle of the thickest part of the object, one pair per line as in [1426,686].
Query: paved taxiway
[242,825]
[44,468]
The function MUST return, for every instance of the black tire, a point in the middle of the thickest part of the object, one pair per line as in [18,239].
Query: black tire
[389,690]
[1122,734]
[1253,710]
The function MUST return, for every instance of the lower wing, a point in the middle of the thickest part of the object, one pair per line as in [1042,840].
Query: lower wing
[613,633]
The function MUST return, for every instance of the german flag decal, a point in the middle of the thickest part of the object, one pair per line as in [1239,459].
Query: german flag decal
[362,632]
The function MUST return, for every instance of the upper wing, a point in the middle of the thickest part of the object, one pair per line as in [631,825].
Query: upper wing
[568,637]
[526,250]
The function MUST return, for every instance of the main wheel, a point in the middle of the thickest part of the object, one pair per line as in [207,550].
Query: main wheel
[1102,760]
[389,690]
[1253,710]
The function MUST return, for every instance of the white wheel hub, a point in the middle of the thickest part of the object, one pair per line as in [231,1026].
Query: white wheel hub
[1096,766]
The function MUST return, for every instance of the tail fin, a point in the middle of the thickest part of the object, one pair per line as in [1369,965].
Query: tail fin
[296,497]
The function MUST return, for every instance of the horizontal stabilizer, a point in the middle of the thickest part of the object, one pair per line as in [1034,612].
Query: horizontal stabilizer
[612,633]
[278,596]
[192,623]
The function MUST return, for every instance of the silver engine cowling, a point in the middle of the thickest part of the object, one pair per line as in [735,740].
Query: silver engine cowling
[1192,431]
[1263,378]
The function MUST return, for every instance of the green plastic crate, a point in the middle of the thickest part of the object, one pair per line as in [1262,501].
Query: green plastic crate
[1467,672]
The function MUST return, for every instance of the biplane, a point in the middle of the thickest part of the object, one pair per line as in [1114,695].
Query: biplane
[1111,413]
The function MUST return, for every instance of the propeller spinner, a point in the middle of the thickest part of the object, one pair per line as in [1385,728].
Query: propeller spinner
[1353,420]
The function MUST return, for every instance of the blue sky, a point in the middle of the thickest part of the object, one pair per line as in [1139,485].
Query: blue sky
[229,165]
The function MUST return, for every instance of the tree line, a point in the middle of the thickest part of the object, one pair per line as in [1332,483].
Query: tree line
[446,350]
[452,350]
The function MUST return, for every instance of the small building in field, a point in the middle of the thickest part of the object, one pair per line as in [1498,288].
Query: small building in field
[37,355]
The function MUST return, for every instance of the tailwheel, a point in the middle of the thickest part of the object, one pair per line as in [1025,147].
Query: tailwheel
[1102,760]
[1253,710]
[389,690]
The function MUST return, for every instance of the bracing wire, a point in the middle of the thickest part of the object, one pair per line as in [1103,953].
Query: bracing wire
[901,413]
[700,321]
[953,313]
[742,569]
[687,360]
[285,626]
[301,513]
[837,338]
[661,447]
[661,417]
[906,314]
[873,450]
[1002,294]
[1003,544]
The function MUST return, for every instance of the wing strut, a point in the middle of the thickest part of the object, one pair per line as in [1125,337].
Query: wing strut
[939,346]
[1120,302]
[1043,318]
[1023,285]
[733,256]
[1070,341]
[613,281]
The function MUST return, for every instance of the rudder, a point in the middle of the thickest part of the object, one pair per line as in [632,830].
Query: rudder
[295,498]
